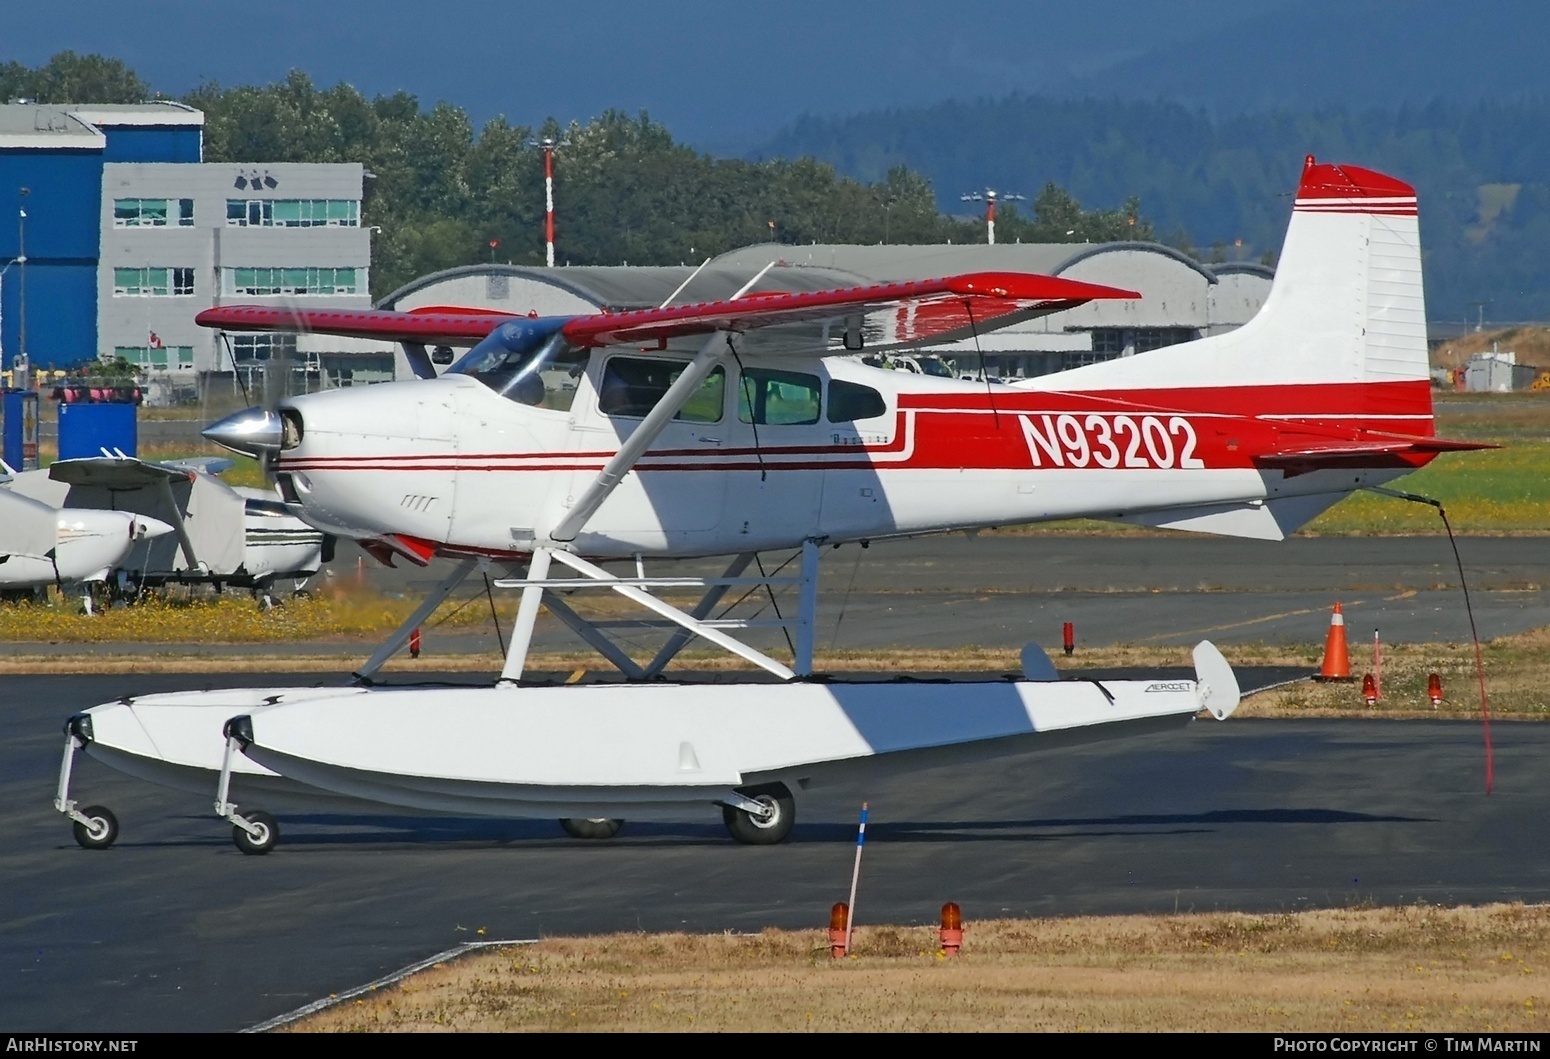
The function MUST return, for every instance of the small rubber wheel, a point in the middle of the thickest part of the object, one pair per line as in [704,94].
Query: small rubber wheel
[598,827]
[767,829]
[101,832]
[257,845]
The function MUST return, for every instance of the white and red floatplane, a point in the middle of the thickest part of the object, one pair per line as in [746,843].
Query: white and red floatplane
[558,445]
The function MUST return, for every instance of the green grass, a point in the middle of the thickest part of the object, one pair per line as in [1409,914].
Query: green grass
[1503,490]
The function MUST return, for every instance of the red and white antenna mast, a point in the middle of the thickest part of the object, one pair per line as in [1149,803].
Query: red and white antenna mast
[549,144]
[989,197]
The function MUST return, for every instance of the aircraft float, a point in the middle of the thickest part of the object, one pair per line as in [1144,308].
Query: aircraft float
[559,445]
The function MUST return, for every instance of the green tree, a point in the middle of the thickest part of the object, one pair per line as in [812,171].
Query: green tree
[72,78]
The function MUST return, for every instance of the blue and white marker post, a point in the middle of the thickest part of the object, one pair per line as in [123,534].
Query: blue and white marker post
[855,877]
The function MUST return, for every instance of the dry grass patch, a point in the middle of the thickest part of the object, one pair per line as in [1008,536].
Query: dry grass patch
[1517,670]
[1413,969]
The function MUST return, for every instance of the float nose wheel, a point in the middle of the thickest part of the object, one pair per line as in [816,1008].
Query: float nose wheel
[95,827]
[98,829]
[260,834]
[762,817]
[598,827]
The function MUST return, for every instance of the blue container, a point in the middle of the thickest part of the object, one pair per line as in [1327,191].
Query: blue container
[87,429]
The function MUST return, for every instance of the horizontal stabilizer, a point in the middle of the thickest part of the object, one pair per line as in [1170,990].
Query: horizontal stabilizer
[27,527]
[1378,451]
[1264,520]
[202,464]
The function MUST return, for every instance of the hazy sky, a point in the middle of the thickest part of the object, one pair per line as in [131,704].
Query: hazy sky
[719,74]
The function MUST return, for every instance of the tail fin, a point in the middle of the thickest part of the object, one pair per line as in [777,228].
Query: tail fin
[1347,304]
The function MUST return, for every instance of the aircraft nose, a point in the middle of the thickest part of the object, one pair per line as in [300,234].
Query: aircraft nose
[252,432]
[143,527]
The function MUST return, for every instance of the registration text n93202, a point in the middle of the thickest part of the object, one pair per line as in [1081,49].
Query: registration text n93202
[1110,440]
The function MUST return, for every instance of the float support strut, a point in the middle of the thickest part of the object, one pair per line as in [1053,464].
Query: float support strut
[527,617]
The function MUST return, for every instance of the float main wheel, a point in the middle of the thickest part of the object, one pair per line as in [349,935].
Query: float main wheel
[768,828]
[598,827]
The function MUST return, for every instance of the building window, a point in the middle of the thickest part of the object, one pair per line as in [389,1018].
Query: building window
[256,349]
[152,282]
[293,213]
[157,358]
[1158,337]
[152,213]
[1108,342]
[139,213]
[261,281]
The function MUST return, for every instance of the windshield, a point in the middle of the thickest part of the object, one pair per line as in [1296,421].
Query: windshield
[528,361]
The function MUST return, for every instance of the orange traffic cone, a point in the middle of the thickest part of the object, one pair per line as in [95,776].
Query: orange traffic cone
[839,923]
[1337,657]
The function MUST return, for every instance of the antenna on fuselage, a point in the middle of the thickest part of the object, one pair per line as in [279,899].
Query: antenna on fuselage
[684,284]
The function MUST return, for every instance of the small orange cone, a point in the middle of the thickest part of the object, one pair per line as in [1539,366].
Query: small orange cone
[1434,689]
[839,924]
[951,934]
[1337,657]
[1370,690]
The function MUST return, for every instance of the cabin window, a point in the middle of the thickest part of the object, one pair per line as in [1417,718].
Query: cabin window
[632,386]
[849,401]
[778,398]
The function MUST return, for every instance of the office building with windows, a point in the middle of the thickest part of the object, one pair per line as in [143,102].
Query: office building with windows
[127,234]
[177,239]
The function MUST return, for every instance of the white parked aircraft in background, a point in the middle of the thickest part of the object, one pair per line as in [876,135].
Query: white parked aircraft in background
[219,534]
[42,545]
[729,428]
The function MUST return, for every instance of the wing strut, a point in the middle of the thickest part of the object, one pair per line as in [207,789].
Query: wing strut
[672,402]
[184,542]
[400,635]
[680,639]
[537,581]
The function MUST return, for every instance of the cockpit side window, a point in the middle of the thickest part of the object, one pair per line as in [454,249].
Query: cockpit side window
[527,361]
[778,398]
[632,386]
[849,401]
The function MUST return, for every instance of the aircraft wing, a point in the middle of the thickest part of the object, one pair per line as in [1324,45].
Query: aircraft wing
[114,472]
[883,316]
[887,315]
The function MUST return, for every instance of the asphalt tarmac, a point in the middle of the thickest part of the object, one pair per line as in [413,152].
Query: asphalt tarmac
[1007,590]
[173,929]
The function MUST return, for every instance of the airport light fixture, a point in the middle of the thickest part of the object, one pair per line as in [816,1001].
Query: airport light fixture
[3,270]
[989,197]
[21,369]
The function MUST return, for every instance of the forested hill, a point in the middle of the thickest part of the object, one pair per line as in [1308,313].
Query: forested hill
[1482,171]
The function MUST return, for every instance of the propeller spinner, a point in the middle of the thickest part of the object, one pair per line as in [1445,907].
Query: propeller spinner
[252,432]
